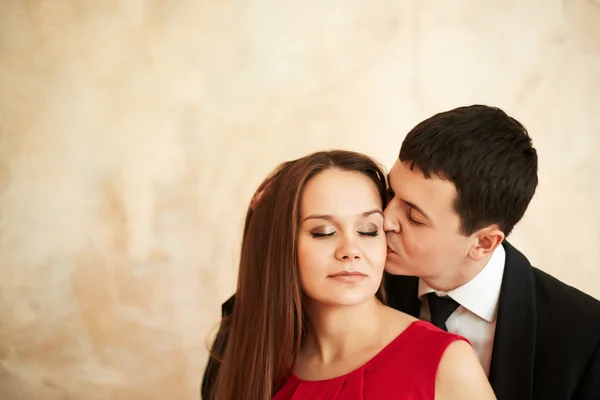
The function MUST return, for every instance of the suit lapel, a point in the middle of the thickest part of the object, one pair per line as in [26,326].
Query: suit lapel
[511,370]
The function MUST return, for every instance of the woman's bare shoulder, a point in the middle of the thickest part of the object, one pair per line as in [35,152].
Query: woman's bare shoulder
[460,375]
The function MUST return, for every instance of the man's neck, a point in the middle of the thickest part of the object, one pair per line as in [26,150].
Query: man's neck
[469,270]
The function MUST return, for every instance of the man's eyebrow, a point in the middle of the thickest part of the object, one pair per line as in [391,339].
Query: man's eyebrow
[408,203]
[330,217]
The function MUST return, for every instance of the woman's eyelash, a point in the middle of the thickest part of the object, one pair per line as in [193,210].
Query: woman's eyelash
[322,235]
[372,234]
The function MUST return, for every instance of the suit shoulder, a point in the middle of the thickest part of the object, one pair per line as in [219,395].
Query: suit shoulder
[227,307]
[557,295]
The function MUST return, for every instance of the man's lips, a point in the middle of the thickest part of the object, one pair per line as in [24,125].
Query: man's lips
[391,251]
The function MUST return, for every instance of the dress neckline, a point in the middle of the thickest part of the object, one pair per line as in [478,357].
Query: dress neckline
[379,354]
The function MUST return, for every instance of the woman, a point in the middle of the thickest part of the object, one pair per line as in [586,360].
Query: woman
[309,320]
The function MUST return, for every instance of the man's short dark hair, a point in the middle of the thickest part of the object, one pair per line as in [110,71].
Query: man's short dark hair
[489,157]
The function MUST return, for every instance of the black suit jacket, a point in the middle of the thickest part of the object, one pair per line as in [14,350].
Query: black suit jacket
[547,339]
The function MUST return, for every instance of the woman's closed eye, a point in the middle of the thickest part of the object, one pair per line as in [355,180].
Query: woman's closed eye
[370,233]
[321,234]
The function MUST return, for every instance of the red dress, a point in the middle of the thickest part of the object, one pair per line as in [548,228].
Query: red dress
[404,369]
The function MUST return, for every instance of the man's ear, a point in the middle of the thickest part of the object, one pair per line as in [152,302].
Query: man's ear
[486,241]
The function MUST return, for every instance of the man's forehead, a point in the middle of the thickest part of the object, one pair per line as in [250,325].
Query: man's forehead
[412,186]
[403,171]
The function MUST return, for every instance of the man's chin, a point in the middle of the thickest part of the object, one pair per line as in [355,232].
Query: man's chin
[394,265]
[395,268]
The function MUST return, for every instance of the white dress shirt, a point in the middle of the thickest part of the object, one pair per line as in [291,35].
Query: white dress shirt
[475,318]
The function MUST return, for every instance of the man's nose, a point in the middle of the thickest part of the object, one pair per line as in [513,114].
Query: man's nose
[390,222]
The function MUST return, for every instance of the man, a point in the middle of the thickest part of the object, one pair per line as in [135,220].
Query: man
[463,180]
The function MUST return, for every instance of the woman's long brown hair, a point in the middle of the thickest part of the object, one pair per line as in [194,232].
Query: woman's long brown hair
[267,327]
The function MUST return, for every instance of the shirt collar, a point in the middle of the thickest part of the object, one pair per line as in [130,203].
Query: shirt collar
[480,295]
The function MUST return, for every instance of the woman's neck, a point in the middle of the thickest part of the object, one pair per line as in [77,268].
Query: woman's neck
[334,332]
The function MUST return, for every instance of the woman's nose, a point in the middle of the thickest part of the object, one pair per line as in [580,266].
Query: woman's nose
[348,250]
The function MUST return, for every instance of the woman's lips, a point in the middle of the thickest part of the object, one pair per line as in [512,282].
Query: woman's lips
[348,277]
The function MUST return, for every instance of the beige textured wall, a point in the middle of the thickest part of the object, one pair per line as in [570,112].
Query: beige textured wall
[132,134]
